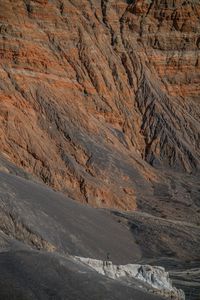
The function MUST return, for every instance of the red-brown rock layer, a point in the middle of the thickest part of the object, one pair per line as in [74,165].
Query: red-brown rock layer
[100,98]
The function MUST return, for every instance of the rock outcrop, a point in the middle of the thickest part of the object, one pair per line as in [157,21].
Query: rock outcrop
[155,279]
[99,98]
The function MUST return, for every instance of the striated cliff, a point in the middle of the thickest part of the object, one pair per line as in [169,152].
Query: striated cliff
[100,99]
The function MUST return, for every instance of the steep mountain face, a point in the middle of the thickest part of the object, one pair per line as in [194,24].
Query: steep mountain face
[100,100]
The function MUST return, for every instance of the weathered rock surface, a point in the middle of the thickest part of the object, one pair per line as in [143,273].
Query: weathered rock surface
[96,96]
[154,279]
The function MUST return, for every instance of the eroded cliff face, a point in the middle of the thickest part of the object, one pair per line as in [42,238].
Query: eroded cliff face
[99,98]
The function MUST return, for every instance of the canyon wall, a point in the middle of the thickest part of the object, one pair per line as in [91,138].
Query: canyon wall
[100,99]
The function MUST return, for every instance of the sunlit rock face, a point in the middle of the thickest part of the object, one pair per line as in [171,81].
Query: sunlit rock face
[96,96]
[154,279]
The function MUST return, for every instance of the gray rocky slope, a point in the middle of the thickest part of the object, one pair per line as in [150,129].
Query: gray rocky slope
[39,228]
[41,231]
